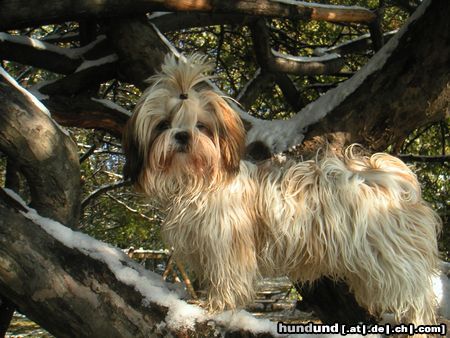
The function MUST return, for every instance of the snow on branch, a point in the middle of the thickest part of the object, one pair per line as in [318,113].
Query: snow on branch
[45,55]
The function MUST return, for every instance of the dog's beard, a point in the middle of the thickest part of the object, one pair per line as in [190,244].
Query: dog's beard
[181,169]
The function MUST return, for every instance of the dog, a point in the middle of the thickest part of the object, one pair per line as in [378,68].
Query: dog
[354,218]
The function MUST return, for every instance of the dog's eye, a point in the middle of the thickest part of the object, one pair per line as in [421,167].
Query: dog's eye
[203,128]
[163,125]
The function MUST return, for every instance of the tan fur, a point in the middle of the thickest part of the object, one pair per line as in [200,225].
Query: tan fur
[355,218]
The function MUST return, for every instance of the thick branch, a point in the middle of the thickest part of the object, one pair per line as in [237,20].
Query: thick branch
[47,56]
[39,54]
[140,48]
[39,147]
[84,112]
[89,74]
[25,13]
[84,286]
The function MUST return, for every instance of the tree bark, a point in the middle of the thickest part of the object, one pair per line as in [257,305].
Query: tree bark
[45,155]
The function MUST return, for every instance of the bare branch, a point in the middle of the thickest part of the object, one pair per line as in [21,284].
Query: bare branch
[102,190]
[360,44]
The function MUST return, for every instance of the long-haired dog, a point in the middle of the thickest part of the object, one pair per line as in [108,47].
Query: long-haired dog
[354,218]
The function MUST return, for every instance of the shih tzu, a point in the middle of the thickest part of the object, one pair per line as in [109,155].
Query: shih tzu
[355,218]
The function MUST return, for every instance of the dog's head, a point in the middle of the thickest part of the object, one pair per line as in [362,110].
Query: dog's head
[182,132]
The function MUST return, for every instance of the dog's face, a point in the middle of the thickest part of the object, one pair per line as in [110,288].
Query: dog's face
[181,131]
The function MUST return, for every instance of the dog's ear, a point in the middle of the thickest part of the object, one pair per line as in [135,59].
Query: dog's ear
[231,136]
[134,161]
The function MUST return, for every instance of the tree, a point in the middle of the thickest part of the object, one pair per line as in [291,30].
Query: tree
[94,67]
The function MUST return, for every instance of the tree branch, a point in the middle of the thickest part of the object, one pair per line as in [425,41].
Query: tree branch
[47,56]
[84,112]
[102,190]
[36,53]
[39,147]
[26,13]
[276,62]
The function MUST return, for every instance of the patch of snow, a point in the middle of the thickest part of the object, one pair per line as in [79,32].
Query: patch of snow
[78,52]
[166,41]
[150,285]
[35,89]
[307,59]
[441,286]
[112,105]
[317,5]
[35,43]
[157,15]
[95,63]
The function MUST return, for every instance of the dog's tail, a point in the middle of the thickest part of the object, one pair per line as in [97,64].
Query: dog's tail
[412,220]
[385,172]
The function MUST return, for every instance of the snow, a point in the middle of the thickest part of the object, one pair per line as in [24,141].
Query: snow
[441,286]
[98,62]
[157,15]
[317,5]
[35,89]
[112,105]
[35,43]
[148,284]
[322,51]
[307,59]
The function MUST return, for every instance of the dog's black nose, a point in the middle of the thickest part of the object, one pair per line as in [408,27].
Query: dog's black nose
[182,137]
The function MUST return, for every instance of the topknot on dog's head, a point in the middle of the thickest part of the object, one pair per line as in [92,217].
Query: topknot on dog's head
[183,73]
